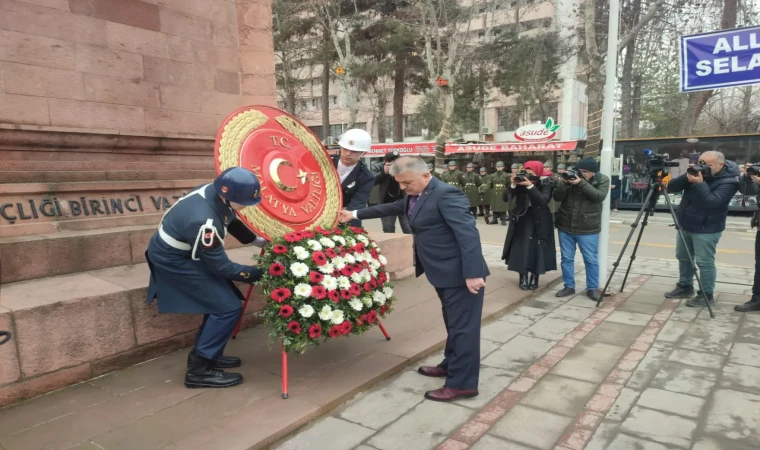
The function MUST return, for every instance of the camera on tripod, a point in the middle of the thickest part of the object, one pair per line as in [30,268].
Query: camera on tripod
[657,162]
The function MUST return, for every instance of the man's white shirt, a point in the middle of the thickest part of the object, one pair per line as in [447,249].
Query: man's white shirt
[344,171]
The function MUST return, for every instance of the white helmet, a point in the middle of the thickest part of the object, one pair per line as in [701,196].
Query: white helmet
[356,140]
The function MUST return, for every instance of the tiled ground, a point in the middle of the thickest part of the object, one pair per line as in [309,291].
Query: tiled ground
[640,373]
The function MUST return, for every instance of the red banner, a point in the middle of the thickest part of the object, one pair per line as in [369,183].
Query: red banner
[428,148]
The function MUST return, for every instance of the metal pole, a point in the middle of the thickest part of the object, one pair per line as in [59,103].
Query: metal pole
[608,129]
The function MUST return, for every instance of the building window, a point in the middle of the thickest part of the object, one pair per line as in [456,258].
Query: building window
[388,127]
[336,130]
[334,100]
[412,125]
[303,105]
[508,119]
[361,126]
[537,115]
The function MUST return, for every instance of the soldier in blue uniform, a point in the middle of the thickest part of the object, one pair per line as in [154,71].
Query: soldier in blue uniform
[191,273]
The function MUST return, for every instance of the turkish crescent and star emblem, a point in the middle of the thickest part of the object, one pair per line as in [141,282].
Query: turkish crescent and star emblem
[300,188]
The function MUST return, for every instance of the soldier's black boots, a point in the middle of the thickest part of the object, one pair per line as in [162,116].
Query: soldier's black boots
[200,374]
[524,281]
[223,362]
[533,282]
[752,305]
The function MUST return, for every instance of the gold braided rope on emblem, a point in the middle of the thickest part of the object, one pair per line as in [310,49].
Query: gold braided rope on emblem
[230,144]
[331,181]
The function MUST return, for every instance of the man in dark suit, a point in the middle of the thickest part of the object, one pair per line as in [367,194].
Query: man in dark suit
[356,179]
[390,191]
[447,250]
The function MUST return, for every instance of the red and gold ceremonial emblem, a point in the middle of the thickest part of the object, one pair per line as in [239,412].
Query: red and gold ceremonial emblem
[300,188]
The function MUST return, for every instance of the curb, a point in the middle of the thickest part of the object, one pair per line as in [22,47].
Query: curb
[729,226]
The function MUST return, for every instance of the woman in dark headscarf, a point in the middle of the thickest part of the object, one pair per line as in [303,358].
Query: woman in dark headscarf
[529,247]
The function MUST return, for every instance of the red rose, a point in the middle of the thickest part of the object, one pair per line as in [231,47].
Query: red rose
[335,331]
[294,327]
[365,264]
[315,277]
[322,231]
[359,322]
[286,311]
[318,292]
[319,258]
[382,277]
[308,234]
[291,237]
[346,327]
[355,289]
[336,273]
[373,283]
[367,287]
[373,252]
[359,247]
[330,253]
[276,269]
[358,230]
[358,268]
[280,295]
[334,296]
[364,318]
[372,317]
[315,331]
[279,249]
[346,294]
[338,231]
[383,310]
[346,271]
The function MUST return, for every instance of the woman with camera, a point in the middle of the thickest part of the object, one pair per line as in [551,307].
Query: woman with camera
[529,247]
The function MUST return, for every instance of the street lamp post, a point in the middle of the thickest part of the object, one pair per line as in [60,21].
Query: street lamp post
[608,130]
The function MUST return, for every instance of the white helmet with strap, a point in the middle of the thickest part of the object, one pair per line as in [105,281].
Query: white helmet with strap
[356,140]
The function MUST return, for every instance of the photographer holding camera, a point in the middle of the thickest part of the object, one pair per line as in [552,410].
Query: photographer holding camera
[529,247]
[389,192]
[749,184]
[579,220]
[707,187]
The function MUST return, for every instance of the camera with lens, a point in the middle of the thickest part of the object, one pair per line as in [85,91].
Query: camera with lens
[659,162]
[569,174]
[754,169]
[391,156]
[521,176]
[696,169]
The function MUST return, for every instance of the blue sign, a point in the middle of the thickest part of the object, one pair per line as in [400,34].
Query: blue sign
[720,59]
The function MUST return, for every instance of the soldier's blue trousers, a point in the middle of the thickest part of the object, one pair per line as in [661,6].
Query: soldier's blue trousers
[214,333]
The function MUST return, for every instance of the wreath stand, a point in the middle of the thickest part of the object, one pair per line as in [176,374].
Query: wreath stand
[284,353]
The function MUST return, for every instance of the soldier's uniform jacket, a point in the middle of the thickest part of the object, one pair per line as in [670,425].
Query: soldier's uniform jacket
[190,271]
[497,184]
[435,174]
[485,191]
[472,182]
[454,178]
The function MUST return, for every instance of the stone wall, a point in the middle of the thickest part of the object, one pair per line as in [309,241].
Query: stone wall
[145,67]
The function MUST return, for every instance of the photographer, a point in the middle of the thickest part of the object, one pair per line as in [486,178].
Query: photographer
[529,246]
[579,221]
[389,192]
[707,187]
[749,184]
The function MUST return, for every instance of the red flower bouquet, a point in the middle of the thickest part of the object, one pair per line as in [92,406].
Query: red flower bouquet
[324,284]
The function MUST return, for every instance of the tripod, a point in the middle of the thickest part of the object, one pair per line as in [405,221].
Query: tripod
[647,209]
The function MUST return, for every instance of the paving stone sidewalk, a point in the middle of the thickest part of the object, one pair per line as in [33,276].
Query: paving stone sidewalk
[639,373]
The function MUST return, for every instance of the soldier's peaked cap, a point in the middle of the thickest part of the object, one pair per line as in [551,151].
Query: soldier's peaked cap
[500,164]
[452,163]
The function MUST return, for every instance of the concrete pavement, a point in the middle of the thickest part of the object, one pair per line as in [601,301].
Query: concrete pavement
[642,372]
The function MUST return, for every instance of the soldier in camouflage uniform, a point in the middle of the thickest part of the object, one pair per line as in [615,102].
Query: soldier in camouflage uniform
[497,184]
[433,171]
[472,182]
[454,176]
[485,193]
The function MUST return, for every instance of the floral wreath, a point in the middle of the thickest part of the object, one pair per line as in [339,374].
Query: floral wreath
[323,284]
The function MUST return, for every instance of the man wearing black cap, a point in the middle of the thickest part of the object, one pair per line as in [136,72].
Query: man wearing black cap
[579,221]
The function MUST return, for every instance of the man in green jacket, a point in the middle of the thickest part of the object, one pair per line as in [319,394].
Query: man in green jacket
[454,176]
[472,182]
[485,194]
[579,221]
[497,184]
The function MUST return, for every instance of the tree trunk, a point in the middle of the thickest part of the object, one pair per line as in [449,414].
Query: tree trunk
[596,78]
[698,100]
[326,63]
[399,85]
[626,86]
[382,105]
[290,102]
[746,108]
[636,105]
[447,97]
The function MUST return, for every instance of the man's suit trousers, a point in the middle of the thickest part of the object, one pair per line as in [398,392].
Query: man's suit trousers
[462,312]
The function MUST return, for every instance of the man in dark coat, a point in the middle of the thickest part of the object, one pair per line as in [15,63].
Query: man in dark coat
[356,179]
[390,191]
[447,250]
[191,273]
[749,184]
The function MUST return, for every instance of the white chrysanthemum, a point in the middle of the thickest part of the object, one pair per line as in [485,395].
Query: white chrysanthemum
[299,269]
[330,283]
[301,253]
[306,311]
[357,278]
[337,317]
[365,275]
[326,313]
[378,297]
[373,244]
[363,239]
[356,304]
[344,282]
[388,292]
[373,271]
[351,242]
[367,301]
[359,257]
[327,268]
[327,242]
[302,290]
[314,245]
[383,260]
[340,265]
[349,259]
[339,240]
[374,264]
